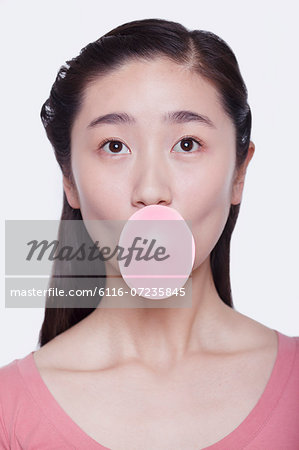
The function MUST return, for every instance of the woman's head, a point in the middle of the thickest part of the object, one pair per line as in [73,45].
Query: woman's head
[176,110]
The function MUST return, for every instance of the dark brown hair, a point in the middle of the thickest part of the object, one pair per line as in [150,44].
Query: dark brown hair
[203,52]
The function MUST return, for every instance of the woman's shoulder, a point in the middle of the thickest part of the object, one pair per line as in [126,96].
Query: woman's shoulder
[289,349]
[256,335]
[14,396]
[9,374]
[25,415]
[12,383]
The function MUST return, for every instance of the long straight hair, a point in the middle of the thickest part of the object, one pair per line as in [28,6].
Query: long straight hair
[199,50]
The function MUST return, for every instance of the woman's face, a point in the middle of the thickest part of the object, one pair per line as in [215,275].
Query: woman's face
[165,140]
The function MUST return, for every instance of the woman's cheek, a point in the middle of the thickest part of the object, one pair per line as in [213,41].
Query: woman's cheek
[211,210]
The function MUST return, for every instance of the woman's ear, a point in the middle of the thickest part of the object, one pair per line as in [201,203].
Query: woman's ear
[71,193]
[238,184]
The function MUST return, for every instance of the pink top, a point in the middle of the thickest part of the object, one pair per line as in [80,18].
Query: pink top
[31,418]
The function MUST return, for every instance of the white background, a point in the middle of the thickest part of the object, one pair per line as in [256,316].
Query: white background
[37,37]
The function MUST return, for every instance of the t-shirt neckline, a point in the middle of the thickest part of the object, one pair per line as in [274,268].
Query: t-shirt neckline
[237,438]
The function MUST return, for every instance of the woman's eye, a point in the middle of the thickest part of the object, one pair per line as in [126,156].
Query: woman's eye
[187,144]
[114,146]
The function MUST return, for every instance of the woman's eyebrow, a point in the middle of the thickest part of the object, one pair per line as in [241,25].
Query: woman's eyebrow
[171,117]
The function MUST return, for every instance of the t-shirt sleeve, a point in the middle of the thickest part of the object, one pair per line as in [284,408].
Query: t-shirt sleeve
[6,374]
[23,423]
[3,434]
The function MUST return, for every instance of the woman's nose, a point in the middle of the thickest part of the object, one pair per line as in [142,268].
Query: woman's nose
[152,183]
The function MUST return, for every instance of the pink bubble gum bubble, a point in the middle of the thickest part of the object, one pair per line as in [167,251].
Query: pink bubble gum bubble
[157,278]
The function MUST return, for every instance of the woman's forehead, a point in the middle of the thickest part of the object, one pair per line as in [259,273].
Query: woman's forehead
[151,89]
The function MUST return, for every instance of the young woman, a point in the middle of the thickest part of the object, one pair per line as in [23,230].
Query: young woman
[154,114]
